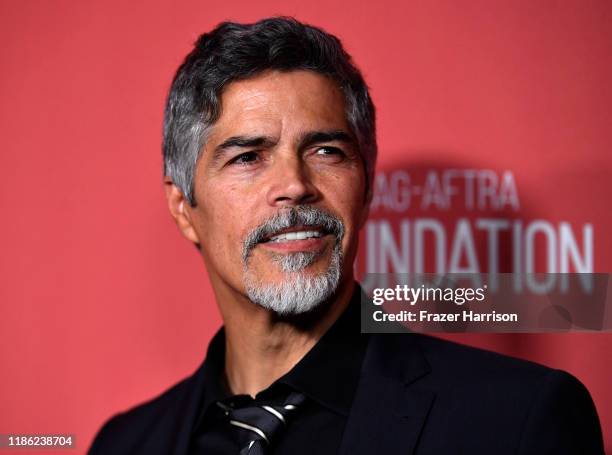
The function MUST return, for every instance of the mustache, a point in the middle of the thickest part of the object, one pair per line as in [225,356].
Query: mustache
[298,216]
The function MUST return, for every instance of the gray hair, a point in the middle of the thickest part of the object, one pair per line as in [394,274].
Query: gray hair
[234,52]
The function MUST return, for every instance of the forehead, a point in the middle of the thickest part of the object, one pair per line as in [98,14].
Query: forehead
[285,100]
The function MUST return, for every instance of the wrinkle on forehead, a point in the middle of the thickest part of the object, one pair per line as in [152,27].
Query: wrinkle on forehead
[272,99]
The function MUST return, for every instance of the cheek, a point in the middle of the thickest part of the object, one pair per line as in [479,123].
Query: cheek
[217,218]
[346,192]
[225,219]
[348,205]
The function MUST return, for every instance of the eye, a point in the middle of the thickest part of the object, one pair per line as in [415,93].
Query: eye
[329,154]
[245,159]
[329,151]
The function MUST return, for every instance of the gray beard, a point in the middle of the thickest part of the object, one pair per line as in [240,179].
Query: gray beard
[299,292]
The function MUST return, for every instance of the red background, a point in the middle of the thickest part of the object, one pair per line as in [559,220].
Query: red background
[105,305]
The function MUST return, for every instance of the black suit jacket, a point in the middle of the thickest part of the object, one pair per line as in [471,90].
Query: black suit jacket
[416,395]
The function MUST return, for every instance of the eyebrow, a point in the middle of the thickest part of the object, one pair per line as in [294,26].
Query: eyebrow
[241,142]
[306,140]
[315,137]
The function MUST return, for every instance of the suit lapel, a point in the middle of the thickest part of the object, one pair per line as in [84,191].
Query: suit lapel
[187,412]
[169,433]
[171,430]
[389,410]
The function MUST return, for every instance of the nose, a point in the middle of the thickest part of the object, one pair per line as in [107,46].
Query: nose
[290,182]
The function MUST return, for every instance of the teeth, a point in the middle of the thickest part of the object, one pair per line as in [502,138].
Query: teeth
[300,235]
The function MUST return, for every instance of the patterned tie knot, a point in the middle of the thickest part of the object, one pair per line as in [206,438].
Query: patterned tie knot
[260,425]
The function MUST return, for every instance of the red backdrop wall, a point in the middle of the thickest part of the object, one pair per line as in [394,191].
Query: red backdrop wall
[105,305]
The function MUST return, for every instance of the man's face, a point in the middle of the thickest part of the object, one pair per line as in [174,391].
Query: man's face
[280,191]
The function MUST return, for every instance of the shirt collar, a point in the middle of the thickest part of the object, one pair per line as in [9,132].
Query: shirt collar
[327,374]
[214,376]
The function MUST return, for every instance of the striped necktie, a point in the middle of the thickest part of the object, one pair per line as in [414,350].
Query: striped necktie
[260,425]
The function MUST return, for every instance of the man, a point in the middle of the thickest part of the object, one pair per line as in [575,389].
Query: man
[270,149]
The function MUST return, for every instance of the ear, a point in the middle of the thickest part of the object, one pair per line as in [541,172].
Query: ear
[180,209]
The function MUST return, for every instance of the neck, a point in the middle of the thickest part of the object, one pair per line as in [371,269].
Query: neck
[260,347]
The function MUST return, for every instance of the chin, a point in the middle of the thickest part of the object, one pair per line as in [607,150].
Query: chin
[299,291]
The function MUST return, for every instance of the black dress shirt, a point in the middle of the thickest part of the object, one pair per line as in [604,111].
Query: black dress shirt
[415,394]
[327,375]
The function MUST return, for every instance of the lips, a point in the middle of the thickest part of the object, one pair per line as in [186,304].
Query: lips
[300,228]
[296,235]
[297,240]
[293,233]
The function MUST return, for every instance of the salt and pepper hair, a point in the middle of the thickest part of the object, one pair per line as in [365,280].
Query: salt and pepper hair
[234,52]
